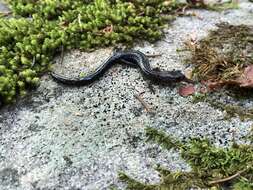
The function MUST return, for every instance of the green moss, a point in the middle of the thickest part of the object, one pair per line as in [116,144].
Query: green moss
[209,165]
[21,58]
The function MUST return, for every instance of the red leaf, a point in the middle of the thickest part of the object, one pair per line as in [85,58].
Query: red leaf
[186,90]
[247,78]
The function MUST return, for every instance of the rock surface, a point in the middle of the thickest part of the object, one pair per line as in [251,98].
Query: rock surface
[63,137]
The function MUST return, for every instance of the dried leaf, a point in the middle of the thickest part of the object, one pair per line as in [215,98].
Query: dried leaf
[216,85]
[188,73]
[108,29]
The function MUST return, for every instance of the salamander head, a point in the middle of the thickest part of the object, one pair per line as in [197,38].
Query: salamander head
[172,76]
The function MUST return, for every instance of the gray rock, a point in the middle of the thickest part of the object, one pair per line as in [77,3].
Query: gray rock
[63,137]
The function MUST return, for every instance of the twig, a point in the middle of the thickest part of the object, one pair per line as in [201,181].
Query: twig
[62,54]
[145,105]
[228,178]
[181,11]
[79,20]
[193,14]
[184,8]
[166,41]
[5,14]
[154,55]
[34,60]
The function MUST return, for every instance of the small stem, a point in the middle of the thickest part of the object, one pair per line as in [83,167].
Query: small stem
[62,54]
[228,178]
[34,60]
[145,105]
[5,14]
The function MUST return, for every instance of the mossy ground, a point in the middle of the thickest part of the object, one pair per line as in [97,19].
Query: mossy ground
[212,167]
[224,54]
[222,57]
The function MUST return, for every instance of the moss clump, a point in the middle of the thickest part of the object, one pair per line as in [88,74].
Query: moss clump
[212,167]
[21,59]
[224,54]
[28,43]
